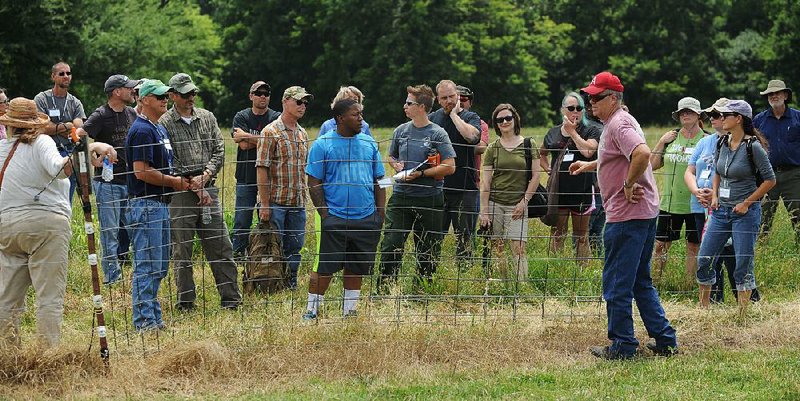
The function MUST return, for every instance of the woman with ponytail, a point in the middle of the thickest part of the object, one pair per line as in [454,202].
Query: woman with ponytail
[736,201]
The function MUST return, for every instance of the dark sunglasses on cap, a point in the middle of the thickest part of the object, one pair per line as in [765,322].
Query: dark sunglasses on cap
[261,93]
[714,115]
[500,120]
[301,102]
[63,73]
[188,94]
[574,108]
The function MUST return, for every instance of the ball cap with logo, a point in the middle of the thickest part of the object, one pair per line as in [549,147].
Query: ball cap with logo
[603,81]
[119,81]
[182,83]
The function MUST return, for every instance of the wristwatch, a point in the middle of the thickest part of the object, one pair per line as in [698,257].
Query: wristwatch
[625,184]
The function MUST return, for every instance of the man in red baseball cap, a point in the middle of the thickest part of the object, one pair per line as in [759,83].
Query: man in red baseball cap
[630,199]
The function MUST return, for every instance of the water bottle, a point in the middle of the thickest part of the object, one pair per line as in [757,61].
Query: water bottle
[108,170]
[206,215]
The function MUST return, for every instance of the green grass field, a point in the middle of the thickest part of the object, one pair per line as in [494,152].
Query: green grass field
[504,341]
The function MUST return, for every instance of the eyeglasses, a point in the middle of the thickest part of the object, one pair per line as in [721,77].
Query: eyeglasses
[409,103]
[714,115]
[465,99]
[500,120]
[159,97]
[261,94]
[726,115]
[188,94]
[301,102]
[598,98]
[574,108]
[63,73]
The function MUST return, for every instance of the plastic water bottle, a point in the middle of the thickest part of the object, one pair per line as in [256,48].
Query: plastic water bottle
[206,215]
[108,170]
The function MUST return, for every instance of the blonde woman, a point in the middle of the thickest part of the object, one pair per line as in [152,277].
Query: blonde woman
[345,92]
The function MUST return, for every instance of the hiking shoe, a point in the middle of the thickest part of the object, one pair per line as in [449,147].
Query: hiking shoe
[309,316]
[184,306]
[661,351]
[604,352]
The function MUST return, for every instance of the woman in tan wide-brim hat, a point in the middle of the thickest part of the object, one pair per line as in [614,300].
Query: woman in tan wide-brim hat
[34,223]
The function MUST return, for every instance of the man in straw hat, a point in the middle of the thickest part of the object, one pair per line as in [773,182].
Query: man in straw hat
[65,112]
[630,198]
[34,221]
[780,124]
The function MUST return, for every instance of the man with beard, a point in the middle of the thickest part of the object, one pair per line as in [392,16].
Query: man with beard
[65,111]
[247,126]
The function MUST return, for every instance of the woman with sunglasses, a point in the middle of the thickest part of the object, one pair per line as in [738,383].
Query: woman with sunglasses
[575,139]
[506,188]
[672,154]
[735,201]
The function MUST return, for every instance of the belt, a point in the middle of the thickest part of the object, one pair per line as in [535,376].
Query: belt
[780,169]
[160,198]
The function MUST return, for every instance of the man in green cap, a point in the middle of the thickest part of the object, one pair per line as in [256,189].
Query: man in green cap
[199,154]
[280,172]
[149,153]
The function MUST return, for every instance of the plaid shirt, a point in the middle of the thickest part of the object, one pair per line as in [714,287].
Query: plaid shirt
[284,153]
[198,145]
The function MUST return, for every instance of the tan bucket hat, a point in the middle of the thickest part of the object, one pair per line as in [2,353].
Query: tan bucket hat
[776,85]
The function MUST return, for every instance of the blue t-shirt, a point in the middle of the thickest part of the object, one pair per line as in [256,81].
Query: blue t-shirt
[348,168]
[330,125]
[703,161]
[782,135]
[149,143]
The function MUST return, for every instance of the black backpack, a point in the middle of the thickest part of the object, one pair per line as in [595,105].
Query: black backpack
[749,147]
[537,206]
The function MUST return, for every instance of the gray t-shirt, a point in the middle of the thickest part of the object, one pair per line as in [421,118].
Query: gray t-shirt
[736,173]
[412,145]
[60,110]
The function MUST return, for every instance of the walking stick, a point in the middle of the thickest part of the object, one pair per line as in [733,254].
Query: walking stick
[82,150]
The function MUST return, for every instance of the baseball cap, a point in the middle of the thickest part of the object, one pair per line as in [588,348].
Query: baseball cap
[602,81]
[119,81]
[182,83]
[297,92]
[153,87]
[464,91]
[258,84]
[719,103]
[737,106]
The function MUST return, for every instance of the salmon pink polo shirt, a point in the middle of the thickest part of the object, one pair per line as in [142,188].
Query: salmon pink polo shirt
[621,135]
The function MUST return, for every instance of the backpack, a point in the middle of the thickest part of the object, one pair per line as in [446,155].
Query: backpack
[266,270]
[537,206]
[749,146]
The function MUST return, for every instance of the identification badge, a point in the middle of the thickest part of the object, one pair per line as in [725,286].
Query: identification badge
[568,157]
[167,144]
[54,113]
[688,151]
[725,193]
[705,174]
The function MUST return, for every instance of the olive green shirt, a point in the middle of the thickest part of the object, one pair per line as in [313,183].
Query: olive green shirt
[509,172]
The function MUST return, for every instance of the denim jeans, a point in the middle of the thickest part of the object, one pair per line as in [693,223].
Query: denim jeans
[149,220]
[626,277]
[724,224]
[112,202]
[246,196]
[459,209]
[596,224]
[291,222]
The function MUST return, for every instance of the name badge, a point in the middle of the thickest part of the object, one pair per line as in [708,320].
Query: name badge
[725,193]
[705,174]
[54,113]
[688,151]
[167,144]
[568,157]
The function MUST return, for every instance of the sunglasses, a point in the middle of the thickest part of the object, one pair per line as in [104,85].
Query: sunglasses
[188,95]
[301,102]
[159,97]
[574,108]
[63,73]
[726,115]
[714,116]
[261,94]
[465,99]
[598,98]
[410,103]
[500,120]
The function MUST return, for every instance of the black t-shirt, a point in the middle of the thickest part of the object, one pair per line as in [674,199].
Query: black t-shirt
[246,159]
[111,127]
[554,142]
[464,177]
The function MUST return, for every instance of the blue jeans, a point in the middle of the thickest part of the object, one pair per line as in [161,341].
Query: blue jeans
[626,277]
[149,220]
[723,224]
[112,202]
[291,222]
[246,197]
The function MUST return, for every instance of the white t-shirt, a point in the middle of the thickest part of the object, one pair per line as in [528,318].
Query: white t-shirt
[29,172]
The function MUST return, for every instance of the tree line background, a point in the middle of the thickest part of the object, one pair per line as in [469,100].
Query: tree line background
[525,52]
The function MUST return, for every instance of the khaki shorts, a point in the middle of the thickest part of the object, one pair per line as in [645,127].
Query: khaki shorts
[503,227]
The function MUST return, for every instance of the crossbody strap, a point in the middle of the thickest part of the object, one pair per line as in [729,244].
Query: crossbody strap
[8,159]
